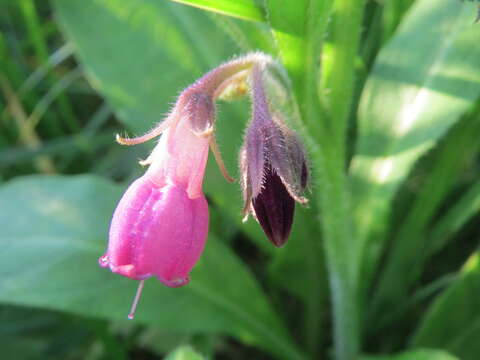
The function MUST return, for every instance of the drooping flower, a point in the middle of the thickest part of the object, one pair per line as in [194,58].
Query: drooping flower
[273,166]
[160,225]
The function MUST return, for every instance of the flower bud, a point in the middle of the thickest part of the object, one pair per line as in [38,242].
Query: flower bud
[273,166]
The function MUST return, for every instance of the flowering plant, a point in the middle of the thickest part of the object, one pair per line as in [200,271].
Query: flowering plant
[367,109]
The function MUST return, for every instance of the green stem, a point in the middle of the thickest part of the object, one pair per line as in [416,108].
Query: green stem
[326,140]
[338,81]
[330,159]
[340,255]
[316,300]
[299,33]
[310,107]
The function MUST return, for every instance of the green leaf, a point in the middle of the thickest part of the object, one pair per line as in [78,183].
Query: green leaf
[457,215]
[338,79]
[184,353]
[51,241]
[421,354]
[27,333]
[298,27]
[404,264]
[453,321]
[243,9]
[423,80]
[163,54]
[22,348]
[392,14]
[167,50]
[288,20]
[248,36]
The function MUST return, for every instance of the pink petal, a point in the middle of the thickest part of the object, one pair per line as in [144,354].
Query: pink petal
[157,231]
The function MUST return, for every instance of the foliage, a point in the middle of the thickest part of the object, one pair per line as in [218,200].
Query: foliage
[383,264]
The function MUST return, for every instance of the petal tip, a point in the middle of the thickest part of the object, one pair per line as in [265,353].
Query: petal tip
[174,283]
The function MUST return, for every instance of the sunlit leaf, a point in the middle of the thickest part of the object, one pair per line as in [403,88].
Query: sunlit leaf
[243,9]
[423,80]
[184,353]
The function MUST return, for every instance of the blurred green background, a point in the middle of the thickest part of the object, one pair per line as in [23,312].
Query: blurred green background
[383,264]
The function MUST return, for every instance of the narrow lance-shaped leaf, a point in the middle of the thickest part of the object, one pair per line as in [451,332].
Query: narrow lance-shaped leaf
[453,321]
[405,260]
[457,216]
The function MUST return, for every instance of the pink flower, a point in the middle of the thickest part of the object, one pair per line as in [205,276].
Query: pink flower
[160,225]
[146,220]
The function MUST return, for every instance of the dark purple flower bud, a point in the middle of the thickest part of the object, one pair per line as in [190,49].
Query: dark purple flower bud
[273,165]
[274,208]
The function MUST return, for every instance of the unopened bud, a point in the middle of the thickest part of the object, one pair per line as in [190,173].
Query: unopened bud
[273,166]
